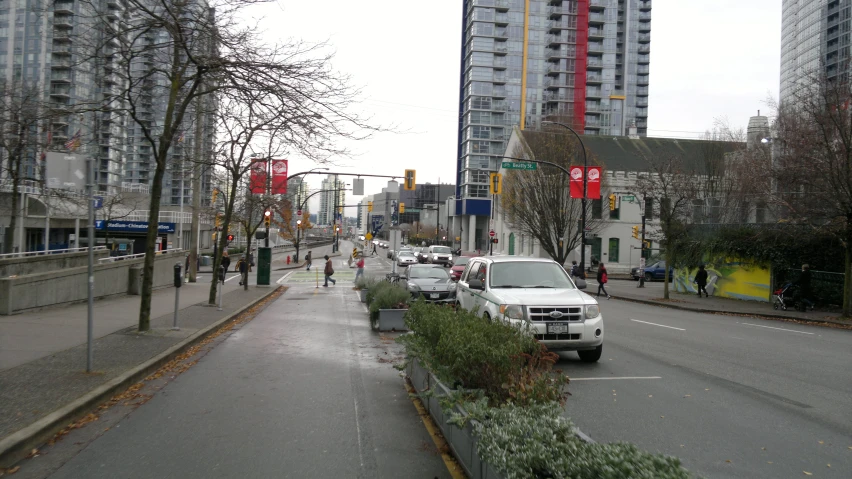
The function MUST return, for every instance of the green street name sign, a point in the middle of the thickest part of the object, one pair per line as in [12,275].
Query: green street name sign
[512,165]
[629,199]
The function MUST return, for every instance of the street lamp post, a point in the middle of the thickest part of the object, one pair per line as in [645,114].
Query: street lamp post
[583,201]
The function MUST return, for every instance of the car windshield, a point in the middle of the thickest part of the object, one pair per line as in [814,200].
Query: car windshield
[529,274]
[406,253]
[462,260]
[441,249]
[420,273]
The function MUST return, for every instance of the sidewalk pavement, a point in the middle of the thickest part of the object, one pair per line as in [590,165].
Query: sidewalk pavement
[652,293]
[49,387]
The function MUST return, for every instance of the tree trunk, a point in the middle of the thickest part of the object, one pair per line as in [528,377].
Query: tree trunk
[670,258]
[196,190]
[222,240]
[150,243]
[847,269]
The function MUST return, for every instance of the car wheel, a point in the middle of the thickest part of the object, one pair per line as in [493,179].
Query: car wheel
[592,355]
[648,276]
[487,317]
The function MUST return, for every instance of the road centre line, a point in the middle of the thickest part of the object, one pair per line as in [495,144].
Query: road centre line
[770,327]
[624,377]
[655,324]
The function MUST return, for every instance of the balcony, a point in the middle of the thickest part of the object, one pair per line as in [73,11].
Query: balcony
[500,63]
[592,123]
[61,49]
[644,59]
[61,36]
[593,107]
[499,92]
[642,113]
[503,5]
[593,93]
[596,5]
[60,91]
[501,47]
[594,64]
[596,48]
[641,124]
[644,27]
[500,77]
[501,33]
[596,18]
[642,102]
[66,8]
[560,39]
[553,97]
[642,80]
[563,24]
[596,34]
[561,10]
[60,77]
[553,68]
[644,38]
[593,79]
[60,63]
[559,83]
[645,6]
[642,91]
[501,19]
[644,49]
[644,17]
[63,21]
[558,53]
[643,70]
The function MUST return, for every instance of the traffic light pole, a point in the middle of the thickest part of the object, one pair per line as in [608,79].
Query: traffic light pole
[642,250]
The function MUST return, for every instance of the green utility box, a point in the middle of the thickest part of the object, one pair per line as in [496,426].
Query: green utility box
[264,266]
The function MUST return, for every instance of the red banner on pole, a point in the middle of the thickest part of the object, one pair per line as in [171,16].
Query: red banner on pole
[279,177]
[593,186]
[576,181]
[257,182]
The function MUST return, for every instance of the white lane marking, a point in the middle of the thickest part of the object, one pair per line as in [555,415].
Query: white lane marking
[655,324]
[232,277]
[625,377]
[770,327]
[283,277]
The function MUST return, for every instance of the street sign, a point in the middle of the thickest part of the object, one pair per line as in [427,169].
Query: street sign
[99,202]
[492,233]
[629,198]
[517,165]
[299,213]
[369,236]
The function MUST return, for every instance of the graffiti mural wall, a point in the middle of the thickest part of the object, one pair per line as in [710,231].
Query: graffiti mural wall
[728,278]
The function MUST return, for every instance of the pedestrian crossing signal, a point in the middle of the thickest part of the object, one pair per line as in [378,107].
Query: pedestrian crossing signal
[410,183]
[496,183]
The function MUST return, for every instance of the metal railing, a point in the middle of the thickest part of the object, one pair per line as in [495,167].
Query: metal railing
[53,251]
[113,259]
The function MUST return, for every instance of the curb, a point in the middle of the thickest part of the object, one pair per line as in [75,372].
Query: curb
[716,311]
[16,446]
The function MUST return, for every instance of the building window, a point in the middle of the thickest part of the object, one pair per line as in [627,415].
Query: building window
[615,214]
[613,250]
[597,209]
[649,208]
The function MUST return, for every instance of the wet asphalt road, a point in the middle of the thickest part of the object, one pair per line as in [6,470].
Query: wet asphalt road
[304,390]
[731,396]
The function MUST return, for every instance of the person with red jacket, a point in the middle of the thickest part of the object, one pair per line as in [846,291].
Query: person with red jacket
[602,279]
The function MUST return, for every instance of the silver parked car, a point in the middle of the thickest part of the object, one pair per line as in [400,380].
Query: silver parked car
[432,282]
[405,258]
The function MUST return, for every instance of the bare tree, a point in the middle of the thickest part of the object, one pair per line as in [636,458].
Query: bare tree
[812,165]
[537,203]
[22,140]
[673,183]
[174,51]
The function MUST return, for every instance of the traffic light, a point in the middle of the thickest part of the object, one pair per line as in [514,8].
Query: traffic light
[612,202]
[267,218]
[401,208]
[496,183]
[410,183]
[494,240]
[215,194]
[230,238]
[218,221]
[370,206]
[636,232]
[647,245]
[298,223]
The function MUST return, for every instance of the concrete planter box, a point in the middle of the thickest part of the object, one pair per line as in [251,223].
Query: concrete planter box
[362,293]
[392,320]
[462,441]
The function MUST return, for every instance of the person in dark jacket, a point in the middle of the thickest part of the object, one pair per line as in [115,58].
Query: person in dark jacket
[701,281]
[804,284]
[602,280]
[242,265]
[226,261]
[575,270]
[308,260]
[328,271]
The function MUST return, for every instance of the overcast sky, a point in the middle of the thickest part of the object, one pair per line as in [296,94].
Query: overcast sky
[709,60]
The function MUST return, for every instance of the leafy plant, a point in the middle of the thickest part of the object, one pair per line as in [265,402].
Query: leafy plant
[375,290]
[470,352]
[537,441]
[390,297]
[366,282]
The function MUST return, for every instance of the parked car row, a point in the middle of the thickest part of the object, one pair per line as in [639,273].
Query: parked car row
[654,271]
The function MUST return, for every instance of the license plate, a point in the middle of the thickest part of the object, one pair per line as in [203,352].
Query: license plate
[557,328]
[434,295]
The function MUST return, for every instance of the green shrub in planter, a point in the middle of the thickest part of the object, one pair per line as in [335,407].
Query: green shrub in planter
[375,290]
[366,282]
[467,351]
[536,441]
[391,297]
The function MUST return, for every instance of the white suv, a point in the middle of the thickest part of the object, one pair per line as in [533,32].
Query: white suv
[537,292]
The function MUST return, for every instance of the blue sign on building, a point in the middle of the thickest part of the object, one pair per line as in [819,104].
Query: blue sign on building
[132,226]
[378,222]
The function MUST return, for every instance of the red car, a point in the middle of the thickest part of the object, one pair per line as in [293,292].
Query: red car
[459,263]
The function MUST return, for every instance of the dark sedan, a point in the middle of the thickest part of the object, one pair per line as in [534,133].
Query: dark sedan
[654,271]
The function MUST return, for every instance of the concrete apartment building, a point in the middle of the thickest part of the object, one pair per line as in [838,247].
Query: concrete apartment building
[332,188]
[584,63]
[815,35]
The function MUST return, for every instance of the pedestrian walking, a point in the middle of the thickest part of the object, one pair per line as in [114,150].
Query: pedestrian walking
[226,261]
[575,270]
[242,266]
[308,260]
[803,293]
[602,280]
[360,271]
[328,271]
[374,250]
[701,281]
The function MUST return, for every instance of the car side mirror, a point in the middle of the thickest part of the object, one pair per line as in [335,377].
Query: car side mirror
[476,284]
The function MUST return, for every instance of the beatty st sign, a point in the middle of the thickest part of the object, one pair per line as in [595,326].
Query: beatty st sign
[519,165]
[132,226]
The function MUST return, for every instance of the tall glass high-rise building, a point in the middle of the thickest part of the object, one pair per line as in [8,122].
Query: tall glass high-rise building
[584,63]
[814,40]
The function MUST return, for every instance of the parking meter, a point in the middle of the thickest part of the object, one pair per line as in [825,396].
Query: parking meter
[178,276]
